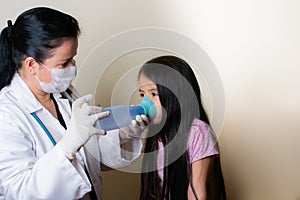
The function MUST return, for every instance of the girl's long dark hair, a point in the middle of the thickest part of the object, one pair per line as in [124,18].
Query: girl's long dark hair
[179,95]
[36,32]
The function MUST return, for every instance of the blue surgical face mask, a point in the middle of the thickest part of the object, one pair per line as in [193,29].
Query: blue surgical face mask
[61,79]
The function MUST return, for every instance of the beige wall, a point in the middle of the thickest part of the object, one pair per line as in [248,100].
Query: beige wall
[255,46]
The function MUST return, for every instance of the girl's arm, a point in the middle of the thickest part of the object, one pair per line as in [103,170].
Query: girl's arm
[200,170]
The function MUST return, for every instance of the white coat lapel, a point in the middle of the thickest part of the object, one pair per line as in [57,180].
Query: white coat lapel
[92,155]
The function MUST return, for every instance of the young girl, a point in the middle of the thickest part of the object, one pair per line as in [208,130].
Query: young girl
[181,158]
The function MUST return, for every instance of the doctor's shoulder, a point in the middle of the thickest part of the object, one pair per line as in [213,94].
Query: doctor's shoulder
[15,123]
[10,107]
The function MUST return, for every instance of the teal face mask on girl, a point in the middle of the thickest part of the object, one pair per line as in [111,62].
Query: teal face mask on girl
[61,79]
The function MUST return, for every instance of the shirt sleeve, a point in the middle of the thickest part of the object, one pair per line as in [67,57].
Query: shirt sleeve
[202,142]
[115,155]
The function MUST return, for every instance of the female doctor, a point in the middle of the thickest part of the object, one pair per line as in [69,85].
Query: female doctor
[48,150]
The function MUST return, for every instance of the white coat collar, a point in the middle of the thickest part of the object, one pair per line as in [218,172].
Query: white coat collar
[24,94]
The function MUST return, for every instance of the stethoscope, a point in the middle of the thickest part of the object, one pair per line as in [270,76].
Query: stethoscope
[39,121]
[44,128]
[49,135]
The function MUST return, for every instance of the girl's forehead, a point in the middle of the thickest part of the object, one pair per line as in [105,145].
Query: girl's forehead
[146,84]
[145,80]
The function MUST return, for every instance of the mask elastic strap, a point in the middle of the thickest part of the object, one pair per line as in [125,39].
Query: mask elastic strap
[46,67]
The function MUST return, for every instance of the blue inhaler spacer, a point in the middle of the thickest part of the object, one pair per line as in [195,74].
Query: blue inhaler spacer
[121,116]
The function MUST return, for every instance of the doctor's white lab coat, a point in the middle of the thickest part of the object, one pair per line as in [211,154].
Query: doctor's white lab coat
[31,167]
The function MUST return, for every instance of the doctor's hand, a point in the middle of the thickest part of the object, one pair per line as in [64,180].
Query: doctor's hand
[81,125]
[135,129]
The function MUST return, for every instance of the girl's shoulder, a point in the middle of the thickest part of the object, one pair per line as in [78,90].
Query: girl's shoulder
[202,141]
[200,127]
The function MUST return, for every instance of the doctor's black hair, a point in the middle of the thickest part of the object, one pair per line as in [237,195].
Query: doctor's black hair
[36,32]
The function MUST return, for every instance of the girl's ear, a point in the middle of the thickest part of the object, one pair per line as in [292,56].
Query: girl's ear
[31,65]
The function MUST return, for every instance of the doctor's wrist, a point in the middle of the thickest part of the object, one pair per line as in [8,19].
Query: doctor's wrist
[70,155]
